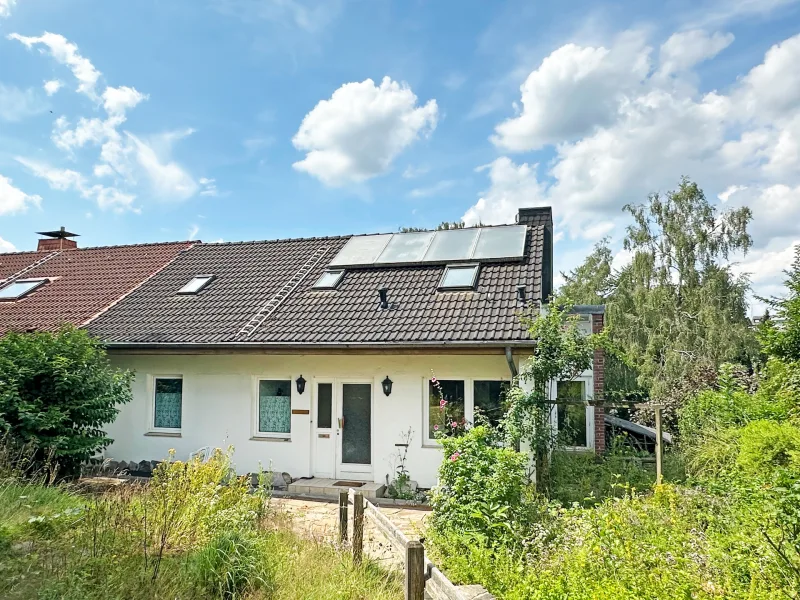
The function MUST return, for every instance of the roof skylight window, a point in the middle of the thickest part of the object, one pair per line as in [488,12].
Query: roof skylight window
[196,284]
[20,288]
[329,279]
[459,277]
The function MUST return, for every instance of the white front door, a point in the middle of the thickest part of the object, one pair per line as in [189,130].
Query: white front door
[325,431]
[354,435]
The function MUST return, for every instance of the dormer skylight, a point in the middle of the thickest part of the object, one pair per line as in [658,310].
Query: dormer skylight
[197,283]
[21,288]
[329,279]
[459,277]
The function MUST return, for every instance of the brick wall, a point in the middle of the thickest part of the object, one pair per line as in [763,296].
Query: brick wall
[599,366]
[53,244]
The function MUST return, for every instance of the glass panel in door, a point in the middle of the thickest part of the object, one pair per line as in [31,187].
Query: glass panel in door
[356,423]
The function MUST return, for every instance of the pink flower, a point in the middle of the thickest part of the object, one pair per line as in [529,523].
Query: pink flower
[454,424]
[442,403]
[454,456]
[433,379]
[436,428]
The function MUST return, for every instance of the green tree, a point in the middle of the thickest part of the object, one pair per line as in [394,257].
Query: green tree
[593,281]
[443,226]
[58,390]
[780,334]
[677,306]
[676,311]
[562,353]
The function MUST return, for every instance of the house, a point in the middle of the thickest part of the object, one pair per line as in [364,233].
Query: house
[61,283]
[314,356]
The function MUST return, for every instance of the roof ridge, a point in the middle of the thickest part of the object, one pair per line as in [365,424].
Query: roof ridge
[139,245]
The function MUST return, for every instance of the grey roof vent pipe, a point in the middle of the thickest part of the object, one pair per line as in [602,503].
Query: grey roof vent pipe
[383,293]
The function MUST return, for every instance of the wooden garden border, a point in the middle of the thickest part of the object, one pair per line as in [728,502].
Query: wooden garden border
[421,574]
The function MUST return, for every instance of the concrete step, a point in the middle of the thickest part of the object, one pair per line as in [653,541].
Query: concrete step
[326,487]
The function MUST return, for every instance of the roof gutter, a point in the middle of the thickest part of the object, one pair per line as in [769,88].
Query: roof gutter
[477,344]
[510,360]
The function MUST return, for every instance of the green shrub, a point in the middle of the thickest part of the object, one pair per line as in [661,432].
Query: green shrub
[58,390]
[587,479]
[731,405]
[765,446]
[230,565]
[481,487]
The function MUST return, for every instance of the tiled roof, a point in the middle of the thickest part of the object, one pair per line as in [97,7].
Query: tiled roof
[83,282]
[248,274]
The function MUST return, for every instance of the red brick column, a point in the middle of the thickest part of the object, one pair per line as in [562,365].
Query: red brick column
[598,368]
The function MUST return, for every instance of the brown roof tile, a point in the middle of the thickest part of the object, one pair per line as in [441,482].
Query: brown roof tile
[248,274]
[83,282]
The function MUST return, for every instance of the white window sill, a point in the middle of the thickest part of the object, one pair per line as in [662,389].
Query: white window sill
[156,433]
[270,438]
[431,444]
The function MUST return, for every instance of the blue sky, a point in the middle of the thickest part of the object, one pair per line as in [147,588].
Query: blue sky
[254,119]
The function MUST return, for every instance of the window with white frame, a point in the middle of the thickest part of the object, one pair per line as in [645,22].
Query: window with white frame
[274,408]
[489,400]
[167,404]
[446,406]
[455,404]
[573,414]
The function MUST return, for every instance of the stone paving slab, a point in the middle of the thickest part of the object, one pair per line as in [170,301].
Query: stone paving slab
[320,520]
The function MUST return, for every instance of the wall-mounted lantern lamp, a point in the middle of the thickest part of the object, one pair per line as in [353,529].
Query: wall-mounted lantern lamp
[387,385]
[301,385]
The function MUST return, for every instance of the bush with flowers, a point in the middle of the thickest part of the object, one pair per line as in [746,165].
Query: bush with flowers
[477,476]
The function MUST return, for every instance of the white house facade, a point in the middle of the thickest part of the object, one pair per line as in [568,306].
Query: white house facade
[315,357]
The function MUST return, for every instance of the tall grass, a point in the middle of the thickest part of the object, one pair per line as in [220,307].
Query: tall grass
[195,531]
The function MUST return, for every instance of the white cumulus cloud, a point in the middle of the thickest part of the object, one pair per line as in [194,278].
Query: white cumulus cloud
[68,179]
[743,145]
[17,104]
[685,49]
[575,90]
[67,54]
[14,200]
[5,8]
[168,179]
[6,246]
[52,86]
[512,186]
[357,133]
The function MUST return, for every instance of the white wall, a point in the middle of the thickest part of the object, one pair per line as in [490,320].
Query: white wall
[218,396]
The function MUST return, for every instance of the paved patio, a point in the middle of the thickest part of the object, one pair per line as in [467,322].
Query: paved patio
[320,520]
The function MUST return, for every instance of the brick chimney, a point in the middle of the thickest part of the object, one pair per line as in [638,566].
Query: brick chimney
[56,240]
[542,216]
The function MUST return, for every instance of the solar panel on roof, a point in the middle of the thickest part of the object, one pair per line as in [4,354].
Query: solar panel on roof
[479,243]
[361,250]
[452,244]
[500,242]
[406,247]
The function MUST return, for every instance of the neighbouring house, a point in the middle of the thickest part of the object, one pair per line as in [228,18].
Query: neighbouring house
[61,283]
[313,356]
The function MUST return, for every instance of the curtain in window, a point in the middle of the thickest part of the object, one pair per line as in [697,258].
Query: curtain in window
[274,407]
[168,401]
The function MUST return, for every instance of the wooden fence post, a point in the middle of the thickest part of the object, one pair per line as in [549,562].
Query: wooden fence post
[415,571]
[358,527]
[342,516]
[659,447]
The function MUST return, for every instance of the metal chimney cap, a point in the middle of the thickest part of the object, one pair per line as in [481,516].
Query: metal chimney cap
[58,234]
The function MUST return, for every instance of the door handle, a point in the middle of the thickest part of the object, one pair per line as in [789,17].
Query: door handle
[341,422]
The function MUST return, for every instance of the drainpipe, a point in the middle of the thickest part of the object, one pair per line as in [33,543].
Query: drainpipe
[510,360]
